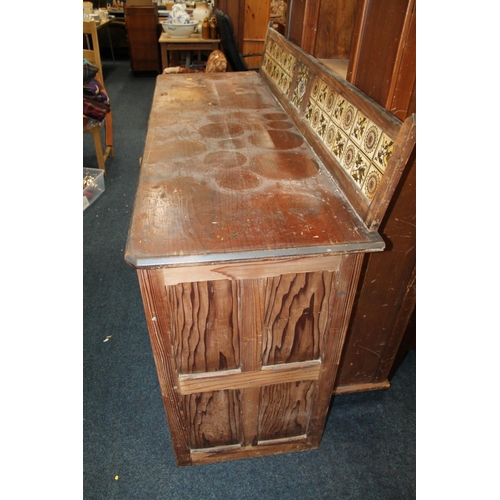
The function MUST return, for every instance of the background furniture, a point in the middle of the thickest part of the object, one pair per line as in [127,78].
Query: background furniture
[143,31]
[90,126]
[169,48]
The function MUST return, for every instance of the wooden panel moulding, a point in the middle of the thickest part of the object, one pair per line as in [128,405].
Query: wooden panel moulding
[237,379]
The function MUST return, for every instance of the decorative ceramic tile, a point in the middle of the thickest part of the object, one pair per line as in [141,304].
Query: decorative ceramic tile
[360,147]
[331,99]
[348,116]
[338,111]
[322,121]
[315,88]
[318,119]
[349,156]
[371,182]
[339,144]
[303,78]
[279,65]
[322,94]
[330,135]
[268,65]
[309,110]
[289,63]
[370,139]
[383,153]
[359,128]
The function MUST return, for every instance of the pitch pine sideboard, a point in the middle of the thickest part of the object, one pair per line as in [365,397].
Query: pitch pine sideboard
[259,194]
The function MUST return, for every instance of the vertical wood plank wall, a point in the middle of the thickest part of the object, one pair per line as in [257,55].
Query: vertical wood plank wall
[334,30]
[234,9]
[255,29]
[382,65]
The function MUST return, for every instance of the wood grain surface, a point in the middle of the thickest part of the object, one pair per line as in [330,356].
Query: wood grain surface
[226,176]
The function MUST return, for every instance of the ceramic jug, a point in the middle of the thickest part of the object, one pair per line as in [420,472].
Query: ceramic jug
[201,11]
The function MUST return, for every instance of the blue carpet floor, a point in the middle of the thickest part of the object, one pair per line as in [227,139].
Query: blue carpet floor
[369,446]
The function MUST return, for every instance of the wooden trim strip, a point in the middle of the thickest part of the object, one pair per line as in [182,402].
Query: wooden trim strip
[350,389]
[236,379]
[223,454]
[267,442]
[250,270]
[153,296]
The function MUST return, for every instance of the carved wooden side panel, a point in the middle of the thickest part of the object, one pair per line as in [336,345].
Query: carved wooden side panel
[246,367]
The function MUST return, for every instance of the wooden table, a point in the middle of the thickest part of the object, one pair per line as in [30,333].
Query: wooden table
[172,46]
[247,256]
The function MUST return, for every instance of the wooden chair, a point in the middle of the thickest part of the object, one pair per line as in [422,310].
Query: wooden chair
[91,53]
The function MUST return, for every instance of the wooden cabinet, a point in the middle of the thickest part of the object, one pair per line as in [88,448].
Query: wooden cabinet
[248,249]
[143,32]
[245,283]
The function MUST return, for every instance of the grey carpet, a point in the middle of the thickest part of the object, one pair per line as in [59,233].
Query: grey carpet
[369,446]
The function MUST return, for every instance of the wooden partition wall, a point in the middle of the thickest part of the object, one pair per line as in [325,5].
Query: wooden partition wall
[250,19]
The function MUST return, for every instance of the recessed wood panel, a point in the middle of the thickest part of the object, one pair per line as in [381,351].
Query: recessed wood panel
[293,323]
[285,410]
[204,326]
[296,21]
[213,419]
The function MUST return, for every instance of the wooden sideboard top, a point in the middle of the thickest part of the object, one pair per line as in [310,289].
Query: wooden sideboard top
[226,177]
